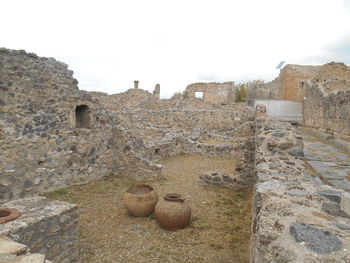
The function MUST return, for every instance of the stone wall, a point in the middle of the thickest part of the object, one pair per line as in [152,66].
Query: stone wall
[213,92]
[53,134]
[159,134]
[214,120]
[259,90]
[292,79]
[294,219]
[332,71]
[291,82]
[46,226]
[327,106]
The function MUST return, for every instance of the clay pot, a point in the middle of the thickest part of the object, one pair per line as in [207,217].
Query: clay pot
[173,212]
[8,214]
[140,200]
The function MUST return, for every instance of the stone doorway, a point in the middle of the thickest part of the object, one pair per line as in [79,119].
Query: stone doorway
[82,116]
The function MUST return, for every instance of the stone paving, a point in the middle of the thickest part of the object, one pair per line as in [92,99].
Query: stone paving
[330,163]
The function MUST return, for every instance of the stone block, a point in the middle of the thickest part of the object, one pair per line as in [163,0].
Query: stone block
[32,258]
[9,247]
[318,240]
[46,226]
[296,152]
[330,194]
[345,203]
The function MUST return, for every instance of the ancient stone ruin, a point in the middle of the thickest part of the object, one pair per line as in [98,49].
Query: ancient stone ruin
[213,92]
[54,135]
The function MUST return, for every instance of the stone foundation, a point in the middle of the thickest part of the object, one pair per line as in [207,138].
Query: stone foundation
[46,226]
[294,220]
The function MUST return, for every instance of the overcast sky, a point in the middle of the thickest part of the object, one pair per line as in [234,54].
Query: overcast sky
[109,44]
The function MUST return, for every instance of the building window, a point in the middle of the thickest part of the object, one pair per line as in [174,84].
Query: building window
[82,116]
[198,95]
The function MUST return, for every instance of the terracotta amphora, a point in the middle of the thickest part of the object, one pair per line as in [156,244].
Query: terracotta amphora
[140,200]
[173,212]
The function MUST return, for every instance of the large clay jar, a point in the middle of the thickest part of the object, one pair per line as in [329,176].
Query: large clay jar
[140,200]
[173,212]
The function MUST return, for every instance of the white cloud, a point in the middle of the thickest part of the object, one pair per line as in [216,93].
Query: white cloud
[109,44]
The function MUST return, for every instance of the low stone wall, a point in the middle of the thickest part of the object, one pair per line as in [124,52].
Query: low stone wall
[46,226]
[213,120]
[294,220]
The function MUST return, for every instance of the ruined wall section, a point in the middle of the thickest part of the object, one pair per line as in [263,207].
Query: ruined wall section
[213,92]
[156,135]
[327,106]
[46,226]
[332,71]
[132,98]
[215,120]
[291,82]
[265,91]
[294,218]
[289,85]
[42,147]
[292,79]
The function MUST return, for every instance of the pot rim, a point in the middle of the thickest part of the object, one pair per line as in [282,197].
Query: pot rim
[174,197]
[13,213]
[134,187]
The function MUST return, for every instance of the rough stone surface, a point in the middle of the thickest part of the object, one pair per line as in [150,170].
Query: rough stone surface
[329,162]
[9,247]
[12,252]
[331,195]
[44,145]
[215,93]
[317,239]
[224,180]
[46,226]
[286,198]
[345,203]
[327,106]
[33,258]
[291,84]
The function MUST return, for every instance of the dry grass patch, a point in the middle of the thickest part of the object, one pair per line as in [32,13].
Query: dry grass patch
[219,231]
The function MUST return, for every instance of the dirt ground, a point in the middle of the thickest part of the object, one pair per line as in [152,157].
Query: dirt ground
[219,231]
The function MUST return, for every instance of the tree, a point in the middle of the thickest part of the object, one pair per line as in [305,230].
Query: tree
[177,95]
[241,93]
